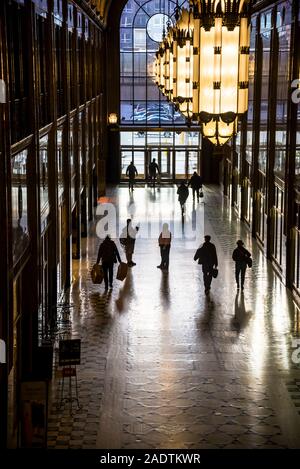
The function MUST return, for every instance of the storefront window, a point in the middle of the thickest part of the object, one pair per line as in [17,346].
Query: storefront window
[80,148]
[297,163]
[266,25]
[251,91]
[19,195]
[283,72]
[87,141]
[72,165]
[59,161]
[44,174]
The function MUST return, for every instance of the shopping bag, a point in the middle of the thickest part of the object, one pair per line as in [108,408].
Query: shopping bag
[122,271]
[215,273]
[97,274]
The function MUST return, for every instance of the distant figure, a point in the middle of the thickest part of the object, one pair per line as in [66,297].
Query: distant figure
[241,258]
[153,170]
[109,254]
[196,184]
[207,256]
[164,242]
[127,240]
[131,172]
[183,193]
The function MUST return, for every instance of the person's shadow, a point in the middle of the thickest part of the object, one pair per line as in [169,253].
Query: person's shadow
[194,217]
[183,223]
[165,290]
[241,317]
[152,194]
[131,198]
[100,304]
[125,293]
[205,322]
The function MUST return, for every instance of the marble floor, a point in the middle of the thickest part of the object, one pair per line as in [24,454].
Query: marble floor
[164,366]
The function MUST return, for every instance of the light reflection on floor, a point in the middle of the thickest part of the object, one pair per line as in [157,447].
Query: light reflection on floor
[172,367]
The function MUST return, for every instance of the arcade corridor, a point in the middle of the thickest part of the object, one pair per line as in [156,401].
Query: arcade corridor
[163,366]
[99,95]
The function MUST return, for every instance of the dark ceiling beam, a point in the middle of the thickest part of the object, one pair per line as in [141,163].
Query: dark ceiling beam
[98,20]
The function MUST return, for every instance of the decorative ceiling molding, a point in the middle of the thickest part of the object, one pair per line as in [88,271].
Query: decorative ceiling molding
[100,8]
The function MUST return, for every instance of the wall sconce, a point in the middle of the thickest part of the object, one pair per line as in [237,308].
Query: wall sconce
[113,119]
[2,92]
[2,352]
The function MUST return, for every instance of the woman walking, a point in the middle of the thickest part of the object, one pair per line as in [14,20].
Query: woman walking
[164,242]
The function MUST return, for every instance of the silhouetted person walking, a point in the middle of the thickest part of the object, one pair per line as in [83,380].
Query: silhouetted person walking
[127,240]
[183,193]
[131,172]
[153,171]
[242,259]
[164,242]
[196,184]
[207,256]
[109,254]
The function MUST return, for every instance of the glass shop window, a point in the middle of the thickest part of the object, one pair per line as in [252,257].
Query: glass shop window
[80,148]
[72,161]
[19,202]
[59,69]
[59,159]
[44,173]
[42,68]
[297,162]
[18,71]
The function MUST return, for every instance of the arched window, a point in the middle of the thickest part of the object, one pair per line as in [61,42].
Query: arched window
[141,30]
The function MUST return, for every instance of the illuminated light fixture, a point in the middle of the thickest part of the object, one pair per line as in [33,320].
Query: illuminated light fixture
[2,352]
[183,65]
[113,118]
[210,52]
[221,66]
[169,65]
[2,91]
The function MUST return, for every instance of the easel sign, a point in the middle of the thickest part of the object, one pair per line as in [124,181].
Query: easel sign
[69,352]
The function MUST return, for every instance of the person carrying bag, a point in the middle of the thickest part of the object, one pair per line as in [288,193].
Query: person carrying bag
[109,254]
[97,274]
[207,257]
[242,259]
[127,241]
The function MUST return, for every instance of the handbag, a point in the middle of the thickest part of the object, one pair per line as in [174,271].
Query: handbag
[249,262]
[122,271]
[97,274]
[215,273]
[201,194]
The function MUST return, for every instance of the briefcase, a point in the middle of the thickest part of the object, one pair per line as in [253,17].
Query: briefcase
[97,274]
[122,271]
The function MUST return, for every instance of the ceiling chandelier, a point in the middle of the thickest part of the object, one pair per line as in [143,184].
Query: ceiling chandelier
[202,65]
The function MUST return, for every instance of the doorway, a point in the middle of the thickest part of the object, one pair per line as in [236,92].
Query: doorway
[177,153]
[164,159]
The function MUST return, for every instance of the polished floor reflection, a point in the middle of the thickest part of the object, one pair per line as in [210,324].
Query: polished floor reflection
[163,365]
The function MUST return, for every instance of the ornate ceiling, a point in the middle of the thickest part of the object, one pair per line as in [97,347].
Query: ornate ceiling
[100,7]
